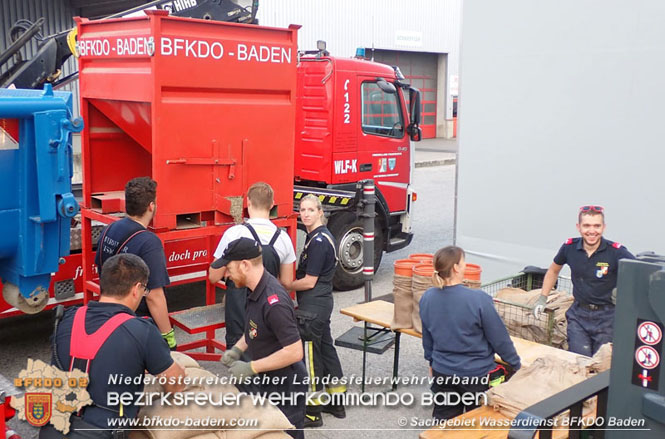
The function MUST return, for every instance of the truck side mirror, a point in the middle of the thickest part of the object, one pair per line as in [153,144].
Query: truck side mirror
[386,86]
[414,111]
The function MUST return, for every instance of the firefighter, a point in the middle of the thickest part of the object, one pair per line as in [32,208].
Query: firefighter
[461,333]
[277,252]
[130,235]
[594,263]
[314,288]
[271,339]
[127,346]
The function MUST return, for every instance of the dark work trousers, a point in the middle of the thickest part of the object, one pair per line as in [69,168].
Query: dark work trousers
[78,430]
[589,329]
[292,385]
[320,353]
[447,408]
[234,313]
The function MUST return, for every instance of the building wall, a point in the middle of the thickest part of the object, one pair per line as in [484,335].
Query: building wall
[59,17]
[562,107]
[407,25]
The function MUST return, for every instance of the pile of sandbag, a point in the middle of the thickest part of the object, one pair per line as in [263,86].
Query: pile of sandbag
[271,422]
[515,307]
[546,377]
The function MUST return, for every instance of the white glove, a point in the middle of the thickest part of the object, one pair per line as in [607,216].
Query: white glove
[539,306]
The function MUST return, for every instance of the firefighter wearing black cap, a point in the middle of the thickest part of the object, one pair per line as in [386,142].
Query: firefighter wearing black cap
[314,288]
[271,337]
[106,339]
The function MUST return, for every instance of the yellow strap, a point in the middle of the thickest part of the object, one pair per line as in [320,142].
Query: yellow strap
[71,41]
[121,411]
[336,389]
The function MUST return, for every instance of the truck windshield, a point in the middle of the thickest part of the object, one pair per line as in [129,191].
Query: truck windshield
[381,112]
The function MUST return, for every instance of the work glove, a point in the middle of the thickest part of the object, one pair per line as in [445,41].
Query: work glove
[539,307]
[241,369]
[614,296]
[231,356]
[169,337]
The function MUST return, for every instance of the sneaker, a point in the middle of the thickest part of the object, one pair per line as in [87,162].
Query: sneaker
[337,410]
[312,421]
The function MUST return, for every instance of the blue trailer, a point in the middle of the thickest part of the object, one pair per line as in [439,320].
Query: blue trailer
[36,201]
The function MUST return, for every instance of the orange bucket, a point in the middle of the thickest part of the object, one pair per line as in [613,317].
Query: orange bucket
[404,267]
[425,270]
[472,272]
[424,257]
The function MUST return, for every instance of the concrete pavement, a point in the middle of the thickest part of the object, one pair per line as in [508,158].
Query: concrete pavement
[435,152]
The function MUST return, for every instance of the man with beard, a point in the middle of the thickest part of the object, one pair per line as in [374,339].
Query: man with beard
[593,262]
[271,337]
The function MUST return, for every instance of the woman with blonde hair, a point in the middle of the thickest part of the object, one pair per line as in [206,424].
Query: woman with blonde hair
[461,334]
[313,286]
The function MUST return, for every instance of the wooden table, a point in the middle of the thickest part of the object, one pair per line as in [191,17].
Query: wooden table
[380,313]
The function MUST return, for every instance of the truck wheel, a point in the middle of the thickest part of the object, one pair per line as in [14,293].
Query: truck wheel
[347,229]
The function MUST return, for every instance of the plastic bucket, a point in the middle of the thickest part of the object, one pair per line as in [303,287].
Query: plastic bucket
[472,272]
[425,270]
[424,257]
[404,267]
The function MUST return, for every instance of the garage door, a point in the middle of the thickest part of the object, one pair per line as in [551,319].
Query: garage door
[420,70]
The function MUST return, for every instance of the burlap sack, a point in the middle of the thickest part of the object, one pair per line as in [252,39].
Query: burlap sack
[419,284]
[269,417]
[515,307]
[600,362]
[403,299]
[237,434]
[543,378]
[184,360]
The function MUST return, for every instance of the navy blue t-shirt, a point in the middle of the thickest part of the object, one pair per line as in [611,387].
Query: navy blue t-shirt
[594,277]
[319,256]
[270,322]
[134,347]
[145,245]
[462,331]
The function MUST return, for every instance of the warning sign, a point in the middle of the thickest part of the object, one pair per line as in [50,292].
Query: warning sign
[647,357]
[648,350]
[649,333]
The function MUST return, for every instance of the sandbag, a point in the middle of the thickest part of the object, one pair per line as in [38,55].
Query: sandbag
[419,284]
[515,307]
[403,300]
[269,417]
[545,377]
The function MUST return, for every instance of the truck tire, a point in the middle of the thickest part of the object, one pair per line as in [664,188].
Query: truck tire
[347,229]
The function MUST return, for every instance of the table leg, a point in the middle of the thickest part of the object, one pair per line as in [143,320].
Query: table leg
[396,359]
[364,355]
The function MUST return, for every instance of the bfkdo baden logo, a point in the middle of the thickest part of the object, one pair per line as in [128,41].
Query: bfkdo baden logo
[38,408]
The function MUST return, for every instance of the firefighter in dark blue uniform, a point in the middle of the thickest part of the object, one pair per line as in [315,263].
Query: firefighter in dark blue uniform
[593,262]
[129,348]
[314,288]
[271,338]
[131,235]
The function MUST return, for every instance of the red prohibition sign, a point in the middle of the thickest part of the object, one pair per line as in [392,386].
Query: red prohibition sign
[649,333]
[647,357]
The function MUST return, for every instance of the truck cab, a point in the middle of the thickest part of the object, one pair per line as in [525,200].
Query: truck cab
[353,124]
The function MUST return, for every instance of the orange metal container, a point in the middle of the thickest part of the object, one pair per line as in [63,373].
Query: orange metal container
[425,270]
[472,272]
[424,257]
[205,108]
[404,267]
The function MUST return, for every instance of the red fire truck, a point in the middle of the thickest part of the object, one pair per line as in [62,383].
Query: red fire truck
[355,120]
